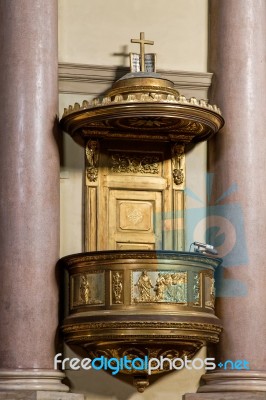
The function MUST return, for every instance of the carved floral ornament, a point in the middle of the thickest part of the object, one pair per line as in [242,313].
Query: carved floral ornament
[134,163]
[92,159]
[178,153]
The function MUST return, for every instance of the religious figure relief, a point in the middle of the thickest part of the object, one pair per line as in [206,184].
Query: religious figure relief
[144,286]
[176,287]
[85,289]
[196,289]
[117,287]
[159,287]
[89,290]
[210,297]
[92,157]
[209,291]
[168,287]
[177,158]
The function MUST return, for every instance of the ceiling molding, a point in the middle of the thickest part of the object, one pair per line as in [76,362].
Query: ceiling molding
[94,80]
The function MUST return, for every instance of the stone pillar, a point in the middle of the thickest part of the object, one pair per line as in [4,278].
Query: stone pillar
[237,156]
[29,198]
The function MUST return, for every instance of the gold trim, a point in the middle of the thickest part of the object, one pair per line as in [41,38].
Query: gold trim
[148,255]
[92,159]
[128,325]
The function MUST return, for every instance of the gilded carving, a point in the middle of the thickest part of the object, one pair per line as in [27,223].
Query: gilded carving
[144,286]
[164,98]
[148,122]
[196,289]
[165,255]
[163,350]
[210,297]
[101,133]
[168,286]
[177,157]
[117,287]
[135,215]
[189,326]
[134,163]
[87,289]
[159,287]
[92,158]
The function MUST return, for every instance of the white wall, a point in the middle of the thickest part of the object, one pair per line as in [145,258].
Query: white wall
[90,32]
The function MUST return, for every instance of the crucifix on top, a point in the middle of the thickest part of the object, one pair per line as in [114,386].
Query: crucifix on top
[142,62]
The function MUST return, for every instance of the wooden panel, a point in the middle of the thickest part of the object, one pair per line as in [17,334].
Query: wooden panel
[134,219]
[134,203]
[135,246]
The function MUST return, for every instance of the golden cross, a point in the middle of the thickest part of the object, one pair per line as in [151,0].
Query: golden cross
[142,43]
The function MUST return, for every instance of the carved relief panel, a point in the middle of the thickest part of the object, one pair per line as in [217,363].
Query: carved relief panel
[133,200]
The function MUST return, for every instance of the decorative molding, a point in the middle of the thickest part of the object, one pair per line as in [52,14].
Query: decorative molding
[117,286]
[96,79]
[234,381]
[32,379]
[134,163]
[75,259]
[178,154]
[153,325]
[92,159]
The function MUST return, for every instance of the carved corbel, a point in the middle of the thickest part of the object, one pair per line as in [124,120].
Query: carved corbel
[178,152]
[92,160]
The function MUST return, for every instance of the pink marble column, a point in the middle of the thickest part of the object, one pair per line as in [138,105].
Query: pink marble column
[29,208]
[237,156]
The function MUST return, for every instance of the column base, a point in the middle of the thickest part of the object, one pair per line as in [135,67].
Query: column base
[32,379]
[39,395]
[225,396]
[234,381]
